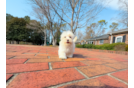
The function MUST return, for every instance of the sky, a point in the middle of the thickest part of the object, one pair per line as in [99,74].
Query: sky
[21,8]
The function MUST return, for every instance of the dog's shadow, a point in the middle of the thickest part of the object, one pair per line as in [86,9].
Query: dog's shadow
[79,56]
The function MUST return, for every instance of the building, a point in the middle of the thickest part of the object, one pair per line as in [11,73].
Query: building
[112,37]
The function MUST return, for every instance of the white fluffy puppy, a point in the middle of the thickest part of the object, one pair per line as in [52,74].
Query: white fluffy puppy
[66,45]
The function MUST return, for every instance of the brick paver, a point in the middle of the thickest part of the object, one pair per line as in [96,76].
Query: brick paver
[45,78]
[15,61]
[119,59]
[109,61]
[94,59]
[90,83]
[114,83]
[67,64]
[123,75]
[40,67]
[43,60]
[75,59]
[117,65]
[9,56]
[16,68]
[95,70]
[93,62]
[99,82]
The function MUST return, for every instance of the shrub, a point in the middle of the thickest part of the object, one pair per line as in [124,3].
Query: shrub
[114,46]
[126,48]
[50,45]
[88,46]
[84,46]
[21,42]
[79,46]
[120,47]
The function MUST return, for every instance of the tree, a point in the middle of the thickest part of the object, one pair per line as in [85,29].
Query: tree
[123,13]
[95,29]
[91,31]
[36,34]
[36,37]
[113,26]
[76,13]
[17,29]
[79,35]
[27,19]
[58,11]
[39,15]
[102,24]
[8,17]
[45,10]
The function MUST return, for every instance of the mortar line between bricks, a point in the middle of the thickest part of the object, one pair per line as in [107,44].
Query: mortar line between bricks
[118,79]
[11,57]
[26,61]
[11,79]
[50,66]
[82,73]
[36,53]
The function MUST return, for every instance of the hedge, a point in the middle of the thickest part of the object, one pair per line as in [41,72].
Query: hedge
[123,46]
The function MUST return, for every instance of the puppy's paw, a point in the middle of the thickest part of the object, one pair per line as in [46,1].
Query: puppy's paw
[62,57]
[70,56]
[75,39]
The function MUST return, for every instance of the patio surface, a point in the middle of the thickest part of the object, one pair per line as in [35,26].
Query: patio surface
[29,66]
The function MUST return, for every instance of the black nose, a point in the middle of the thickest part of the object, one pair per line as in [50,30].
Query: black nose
[67,40]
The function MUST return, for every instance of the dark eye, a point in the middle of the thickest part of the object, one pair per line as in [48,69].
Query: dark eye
[69,36]
[65,37]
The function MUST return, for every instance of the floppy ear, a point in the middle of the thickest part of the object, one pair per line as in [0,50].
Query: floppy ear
[75,39]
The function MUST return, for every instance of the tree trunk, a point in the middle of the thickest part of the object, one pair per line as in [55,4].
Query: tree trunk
[10,42]
[54,41]
[18,42]
[45,38]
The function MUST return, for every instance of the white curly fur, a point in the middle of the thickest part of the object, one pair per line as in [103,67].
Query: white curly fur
[66,45]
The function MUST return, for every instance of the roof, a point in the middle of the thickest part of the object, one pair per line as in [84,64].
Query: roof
[77,41]
[119,31]
[99,37]
[107,35]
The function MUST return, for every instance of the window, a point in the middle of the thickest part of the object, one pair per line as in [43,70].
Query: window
[101,41]
[118,39]
[90,42]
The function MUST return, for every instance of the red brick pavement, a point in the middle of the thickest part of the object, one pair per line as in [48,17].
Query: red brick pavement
[40,67]
[123,75]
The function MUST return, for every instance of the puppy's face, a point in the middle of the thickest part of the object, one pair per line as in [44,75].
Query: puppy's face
[67,37]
